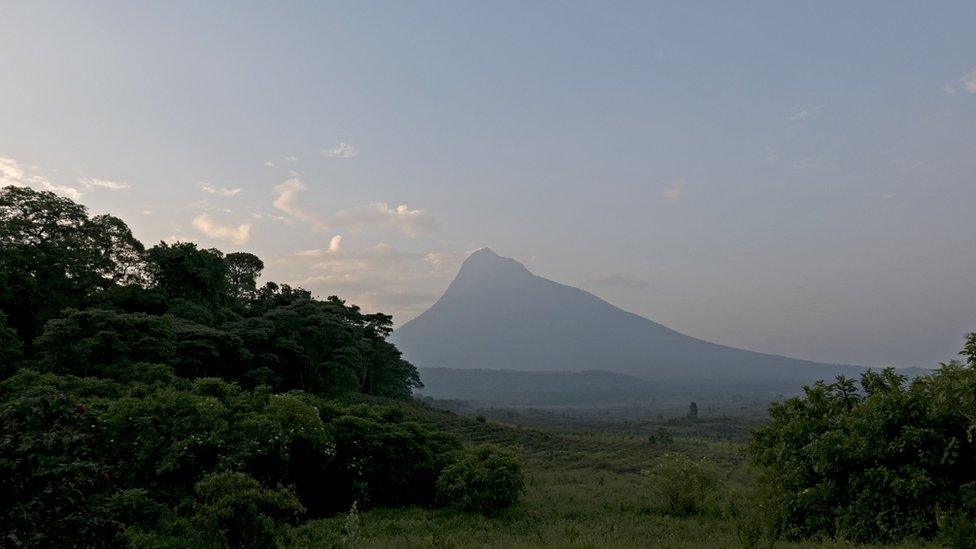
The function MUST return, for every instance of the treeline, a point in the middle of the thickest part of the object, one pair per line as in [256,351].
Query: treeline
[85,297]
[161,397]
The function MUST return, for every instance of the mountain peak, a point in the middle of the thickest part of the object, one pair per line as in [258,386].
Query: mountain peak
[485,261]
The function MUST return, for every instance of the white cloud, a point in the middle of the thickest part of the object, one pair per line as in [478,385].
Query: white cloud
[439,260]
[798,114]
[64,190]
[287,200]
[11,173]
[342,150]
[209,226]
[335,243]
[173,239]
[675,188]
[14,173]
[220,191]
[94,182]
[261,215]
[968,81]
[291,158]
[411,222]
[269,164]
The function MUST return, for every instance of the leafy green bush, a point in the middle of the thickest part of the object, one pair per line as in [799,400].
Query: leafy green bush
[485,480]
[683,487]
[233,510]
[874,462]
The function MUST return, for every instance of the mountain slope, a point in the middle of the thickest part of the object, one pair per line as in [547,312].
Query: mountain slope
[497,314]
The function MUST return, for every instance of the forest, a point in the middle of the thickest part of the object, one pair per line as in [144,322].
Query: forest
[160,397]
[163,397]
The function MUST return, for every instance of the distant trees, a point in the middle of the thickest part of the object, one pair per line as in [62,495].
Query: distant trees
[693,410]
[879,461]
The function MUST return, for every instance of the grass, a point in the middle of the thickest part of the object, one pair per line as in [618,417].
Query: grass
[590,482]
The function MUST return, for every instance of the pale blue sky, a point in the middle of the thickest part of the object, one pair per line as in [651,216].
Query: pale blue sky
[785,178]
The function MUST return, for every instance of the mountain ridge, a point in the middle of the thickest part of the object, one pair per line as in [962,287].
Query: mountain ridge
[496,314]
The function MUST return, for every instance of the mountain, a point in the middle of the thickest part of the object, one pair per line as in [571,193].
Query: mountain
[498,315]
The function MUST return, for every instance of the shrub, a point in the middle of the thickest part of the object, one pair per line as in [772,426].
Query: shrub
[485,480]
[232,510]
[683,487]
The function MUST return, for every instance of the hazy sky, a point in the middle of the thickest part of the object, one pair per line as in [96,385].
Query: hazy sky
[785,178]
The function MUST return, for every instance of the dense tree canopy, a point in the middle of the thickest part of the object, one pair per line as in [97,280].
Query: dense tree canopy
[53,255]
[882,460]
[86,298]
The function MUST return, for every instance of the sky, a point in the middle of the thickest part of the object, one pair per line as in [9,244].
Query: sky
[787,178]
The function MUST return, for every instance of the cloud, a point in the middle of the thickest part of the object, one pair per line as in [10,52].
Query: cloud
[438,261]
[966,82]
[342,150]
[269,164]
[94,182]
[291,158]
[209,226]
[261,215]
[173,239]
[617,281]
[14,173]
[220,191]
[286,201]
[335,243]
[675,188]
[411,222]
[798,114]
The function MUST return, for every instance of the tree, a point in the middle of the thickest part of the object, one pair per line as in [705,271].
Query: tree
[243,269]
[693,410]
[182,271]
[53,256]
[10,351]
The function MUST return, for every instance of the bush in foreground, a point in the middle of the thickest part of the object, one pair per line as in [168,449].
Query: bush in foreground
[486,480]
[879,461]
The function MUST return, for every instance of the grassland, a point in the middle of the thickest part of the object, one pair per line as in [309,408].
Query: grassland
[591,481]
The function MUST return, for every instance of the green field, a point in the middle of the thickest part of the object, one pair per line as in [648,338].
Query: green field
[590,482]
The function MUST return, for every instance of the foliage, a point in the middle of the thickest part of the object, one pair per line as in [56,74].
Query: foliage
[10,351]
[53,255]
[684,487]
[486,480]
[72,447]
[107,303]
[233,510]
[877,461]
